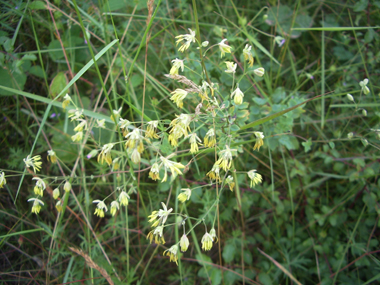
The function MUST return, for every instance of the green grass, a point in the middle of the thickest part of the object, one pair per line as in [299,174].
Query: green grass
[313,219]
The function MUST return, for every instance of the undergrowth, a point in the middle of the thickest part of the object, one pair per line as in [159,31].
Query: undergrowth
[237,139]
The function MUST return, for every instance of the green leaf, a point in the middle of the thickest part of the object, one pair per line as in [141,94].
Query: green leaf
[37,5]
[31,57]
[271,117]
[265,279]
[361,5]
[229,252]
[307,145]
[58,83]
[37,71]
[11,81]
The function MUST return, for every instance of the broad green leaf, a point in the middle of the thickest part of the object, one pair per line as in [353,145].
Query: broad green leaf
[58,83]
[271,117]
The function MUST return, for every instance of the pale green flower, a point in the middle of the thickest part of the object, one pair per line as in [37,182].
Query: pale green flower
[213,235]
[66,101]
[114,208]
[67,186]
[259,140]
[238,96]
[194,142]
[177,64]
[157,234]
[225,158]
[231,67]
[206,241]
[100,207]
[3,181]
[82,125]
[255,177]
[210,138]
[187,38]
[224,48]
[52,156]
[178,96]
[184,243]
[40,186]
[248,55]
[172,165]
[172,253]
[56,193]
[33,162]
[155,171]
[77,137]
[185,195]
[105,154]
[36,205]
[259,71]
[363,85]
[124,198]
[160,216]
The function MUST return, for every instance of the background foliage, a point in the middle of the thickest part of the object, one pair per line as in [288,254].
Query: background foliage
[315,216]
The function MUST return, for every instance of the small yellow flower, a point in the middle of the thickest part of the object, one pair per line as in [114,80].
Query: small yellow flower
[114,208]
[33,162]
[135,155]
[124,126]
[56,193]
[194,142]
[185,195]
[67,186]
[213,235]
[256,178]
[40,186]
[214,172]
[135,139]
[160,216]
[188,38]
[36,205]
[157,234]
[238,96]
[52,157]
[151,130]
[115,115]
[177,97]
[180,126]
[225,158]
[3,181]
[363,85]
[155,171]
[177,64]
[105,154]
[124,198]
[210,138]
[66,101]
[77,137]
[206,241]
[248,55]
[82,125]
[58,206]
[184,243]
[75,114]
[172,253]
[231,67]
[259,140]
[259,71]
[101,123]
[172,165]
[99,211]
[230,182]
[224,48]
[115,164]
